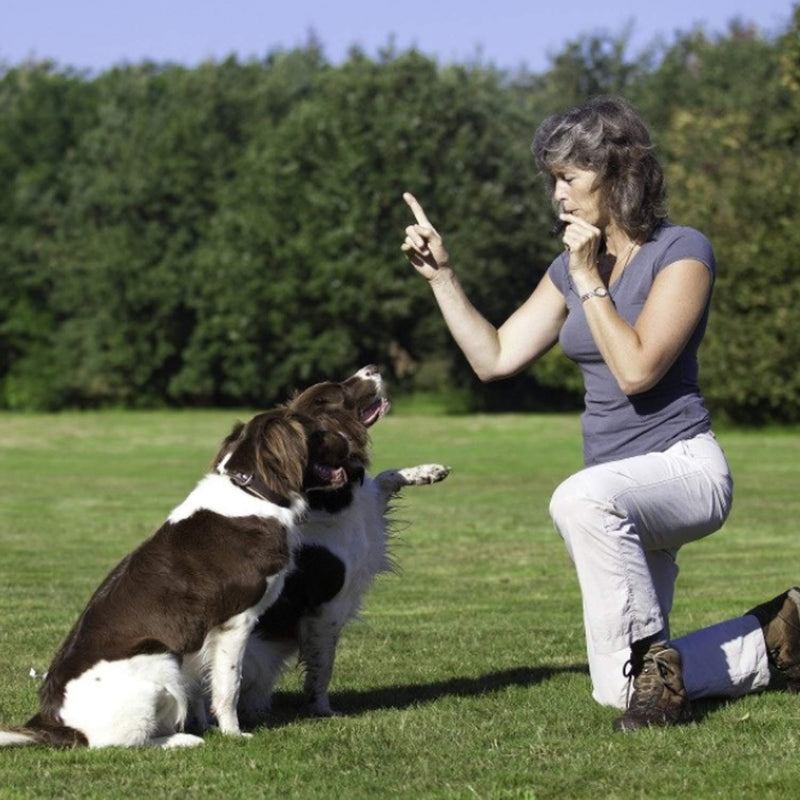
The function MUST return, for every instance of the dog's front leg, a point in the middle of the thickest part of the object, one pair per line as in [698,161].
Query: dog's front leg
[318,639]
[391,481]
[192,670]
[224,652]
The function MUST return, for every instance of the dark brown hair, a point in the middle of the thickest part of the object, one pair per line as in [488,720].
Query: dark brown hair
[607,135]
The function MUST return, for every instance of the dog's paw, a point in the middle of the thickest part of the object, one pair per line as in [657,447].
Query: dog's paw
[237,734]
[392,481]
[424,474]
[322,711]
[178,740]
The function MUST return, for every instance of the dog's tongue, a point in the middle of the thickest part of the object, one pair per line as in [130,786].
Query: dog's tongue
[333,476]
[338,476]
[375,411]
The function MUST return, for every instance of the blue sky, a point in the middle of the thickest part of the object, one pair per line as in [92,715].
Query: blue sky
[95,34]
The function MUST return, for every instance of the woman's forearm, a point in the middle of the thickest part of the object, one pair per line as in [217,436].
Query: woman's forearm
[473,333]
[492,353]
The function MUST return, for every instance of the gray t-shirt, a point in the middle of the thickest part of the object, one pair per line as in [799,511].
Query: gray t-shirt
[616,425]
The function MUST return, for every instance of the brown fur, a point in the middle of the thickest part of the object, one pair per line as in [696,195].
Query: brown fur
[167,595]
[273,446]
[347,407]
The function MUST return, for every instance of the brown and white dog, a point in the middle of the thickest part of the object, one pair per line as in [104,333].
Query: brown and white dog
[170,622]
[342,545]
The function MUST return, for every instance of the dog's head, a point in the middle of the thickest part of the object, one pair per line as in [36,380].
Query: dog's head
[360,395]
[280,453]
[349,407]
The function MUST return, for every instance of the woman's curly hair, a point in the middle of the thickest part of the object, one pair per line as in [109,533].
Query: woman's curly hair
[607,135]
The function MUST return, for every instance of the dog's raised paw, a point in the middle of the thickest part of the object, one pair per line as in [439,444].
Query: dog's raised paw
[424,473]
[391,481]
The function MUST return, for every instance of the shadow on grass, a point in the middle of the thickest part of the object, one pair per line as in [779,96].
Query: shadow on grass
[288,706]
[708,706]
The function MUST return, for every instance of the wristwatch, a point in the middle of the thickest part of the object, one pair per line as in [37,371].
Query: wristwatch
[598,291]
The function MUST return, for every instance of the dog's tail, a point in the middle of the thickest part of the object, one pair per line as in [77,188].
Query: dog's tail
[38,731]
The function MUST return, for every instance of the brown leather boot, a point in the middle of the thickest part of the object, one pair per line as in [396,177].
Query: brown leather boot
[659,696]
[780,624]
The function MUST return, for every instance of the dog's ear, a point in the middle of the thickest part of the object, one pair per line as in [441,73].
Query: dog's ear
[281,454]
[348,424]
[228,443]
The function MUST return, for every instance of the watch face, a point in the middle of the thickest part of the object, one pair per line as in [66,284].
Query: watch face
[600,291]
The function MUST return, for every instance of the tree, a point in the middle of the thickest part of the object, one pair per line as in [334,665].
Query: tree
[224,234]
[43,113]
[732,148]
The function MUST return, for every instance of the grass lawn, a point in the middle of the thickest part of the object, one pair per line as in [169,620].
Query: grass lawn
[466,677]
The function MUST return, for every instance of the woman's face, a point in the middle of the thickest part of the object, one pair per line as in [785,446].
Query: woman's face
[576,193]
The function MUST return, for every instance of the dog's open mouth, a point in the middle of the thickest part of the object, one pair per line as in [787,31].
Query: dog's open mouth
[329,477]
[374,411]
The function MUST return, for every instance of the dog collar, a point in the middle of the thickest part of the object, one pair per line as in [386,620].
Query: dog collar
[250,483]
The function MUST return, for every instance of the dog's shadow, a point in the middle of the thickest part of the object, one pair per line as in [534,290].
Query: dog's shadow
[288,706]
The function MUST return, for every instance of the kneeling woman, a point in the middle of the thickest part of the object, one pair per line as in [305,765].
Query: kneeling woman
[628,300]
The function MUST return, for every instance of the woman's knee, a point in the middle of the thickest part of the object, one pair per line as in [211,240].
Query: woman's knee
[570,503]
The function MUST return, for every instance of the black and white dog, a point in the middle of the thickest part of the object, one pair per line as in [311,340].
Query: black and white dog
[170,623]
[341,546]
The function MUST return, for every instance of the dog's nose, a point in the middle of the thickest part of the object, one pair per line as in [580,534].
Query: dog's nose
[370,371]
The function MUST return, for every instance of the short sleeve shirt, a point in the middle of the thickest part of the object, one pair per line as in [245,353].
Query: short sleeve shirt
[616,425]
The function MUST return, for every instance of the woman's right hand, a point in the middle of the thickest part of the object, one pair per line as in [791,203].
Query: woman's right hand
[423,246]
[582,240]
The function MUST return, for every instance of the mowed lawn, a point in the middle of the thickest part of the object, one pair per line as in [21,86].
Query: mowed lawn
[465,677]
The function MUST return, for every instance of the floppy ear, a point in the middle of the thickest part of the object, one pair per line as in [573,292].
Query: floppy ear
[281,455]
[227,443]
[348,424]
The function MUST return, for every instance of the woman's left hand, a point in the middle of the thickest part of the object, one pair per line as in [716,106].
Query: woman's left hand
[583,242]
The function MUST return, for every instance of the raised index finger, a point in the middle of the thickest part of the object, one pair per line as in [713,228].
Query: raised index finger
[416,210]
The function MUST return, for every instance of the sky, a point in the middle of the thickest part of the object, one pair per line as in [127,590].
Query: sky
[93,35]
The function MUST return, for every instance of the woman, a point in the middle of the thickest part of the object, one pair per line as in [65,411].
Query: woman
[628,300]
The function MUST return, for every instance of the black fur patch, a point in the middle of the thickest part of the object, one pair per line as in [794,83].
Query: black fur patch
[318,576]
[335,500]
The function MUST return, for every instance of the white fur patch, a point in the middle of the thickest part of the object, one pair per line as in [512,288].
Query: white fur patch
[216,493]
[13,739]
[130,702]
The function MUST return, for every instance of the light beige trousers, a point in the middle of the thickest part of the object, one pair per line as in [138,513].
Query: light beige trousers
[623,523]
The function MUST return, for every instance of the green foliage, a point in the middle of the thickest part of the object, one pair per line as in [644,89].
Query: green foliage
[732,143]
[42,115]
[223,234]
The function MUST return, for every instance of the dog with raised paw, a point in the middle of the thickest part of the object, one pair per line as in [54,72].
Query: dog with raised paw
[341,547]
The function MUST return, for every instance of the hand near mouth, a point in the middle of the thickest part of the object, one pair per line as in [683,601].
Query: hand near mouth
[582,240]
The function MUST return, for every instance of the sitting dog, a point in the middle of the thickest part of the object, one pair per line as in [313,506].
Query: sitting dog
[341,546]
[178,610]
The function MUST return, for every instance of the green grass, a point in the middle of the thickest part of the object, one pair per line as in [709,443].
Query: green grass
[466,677]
